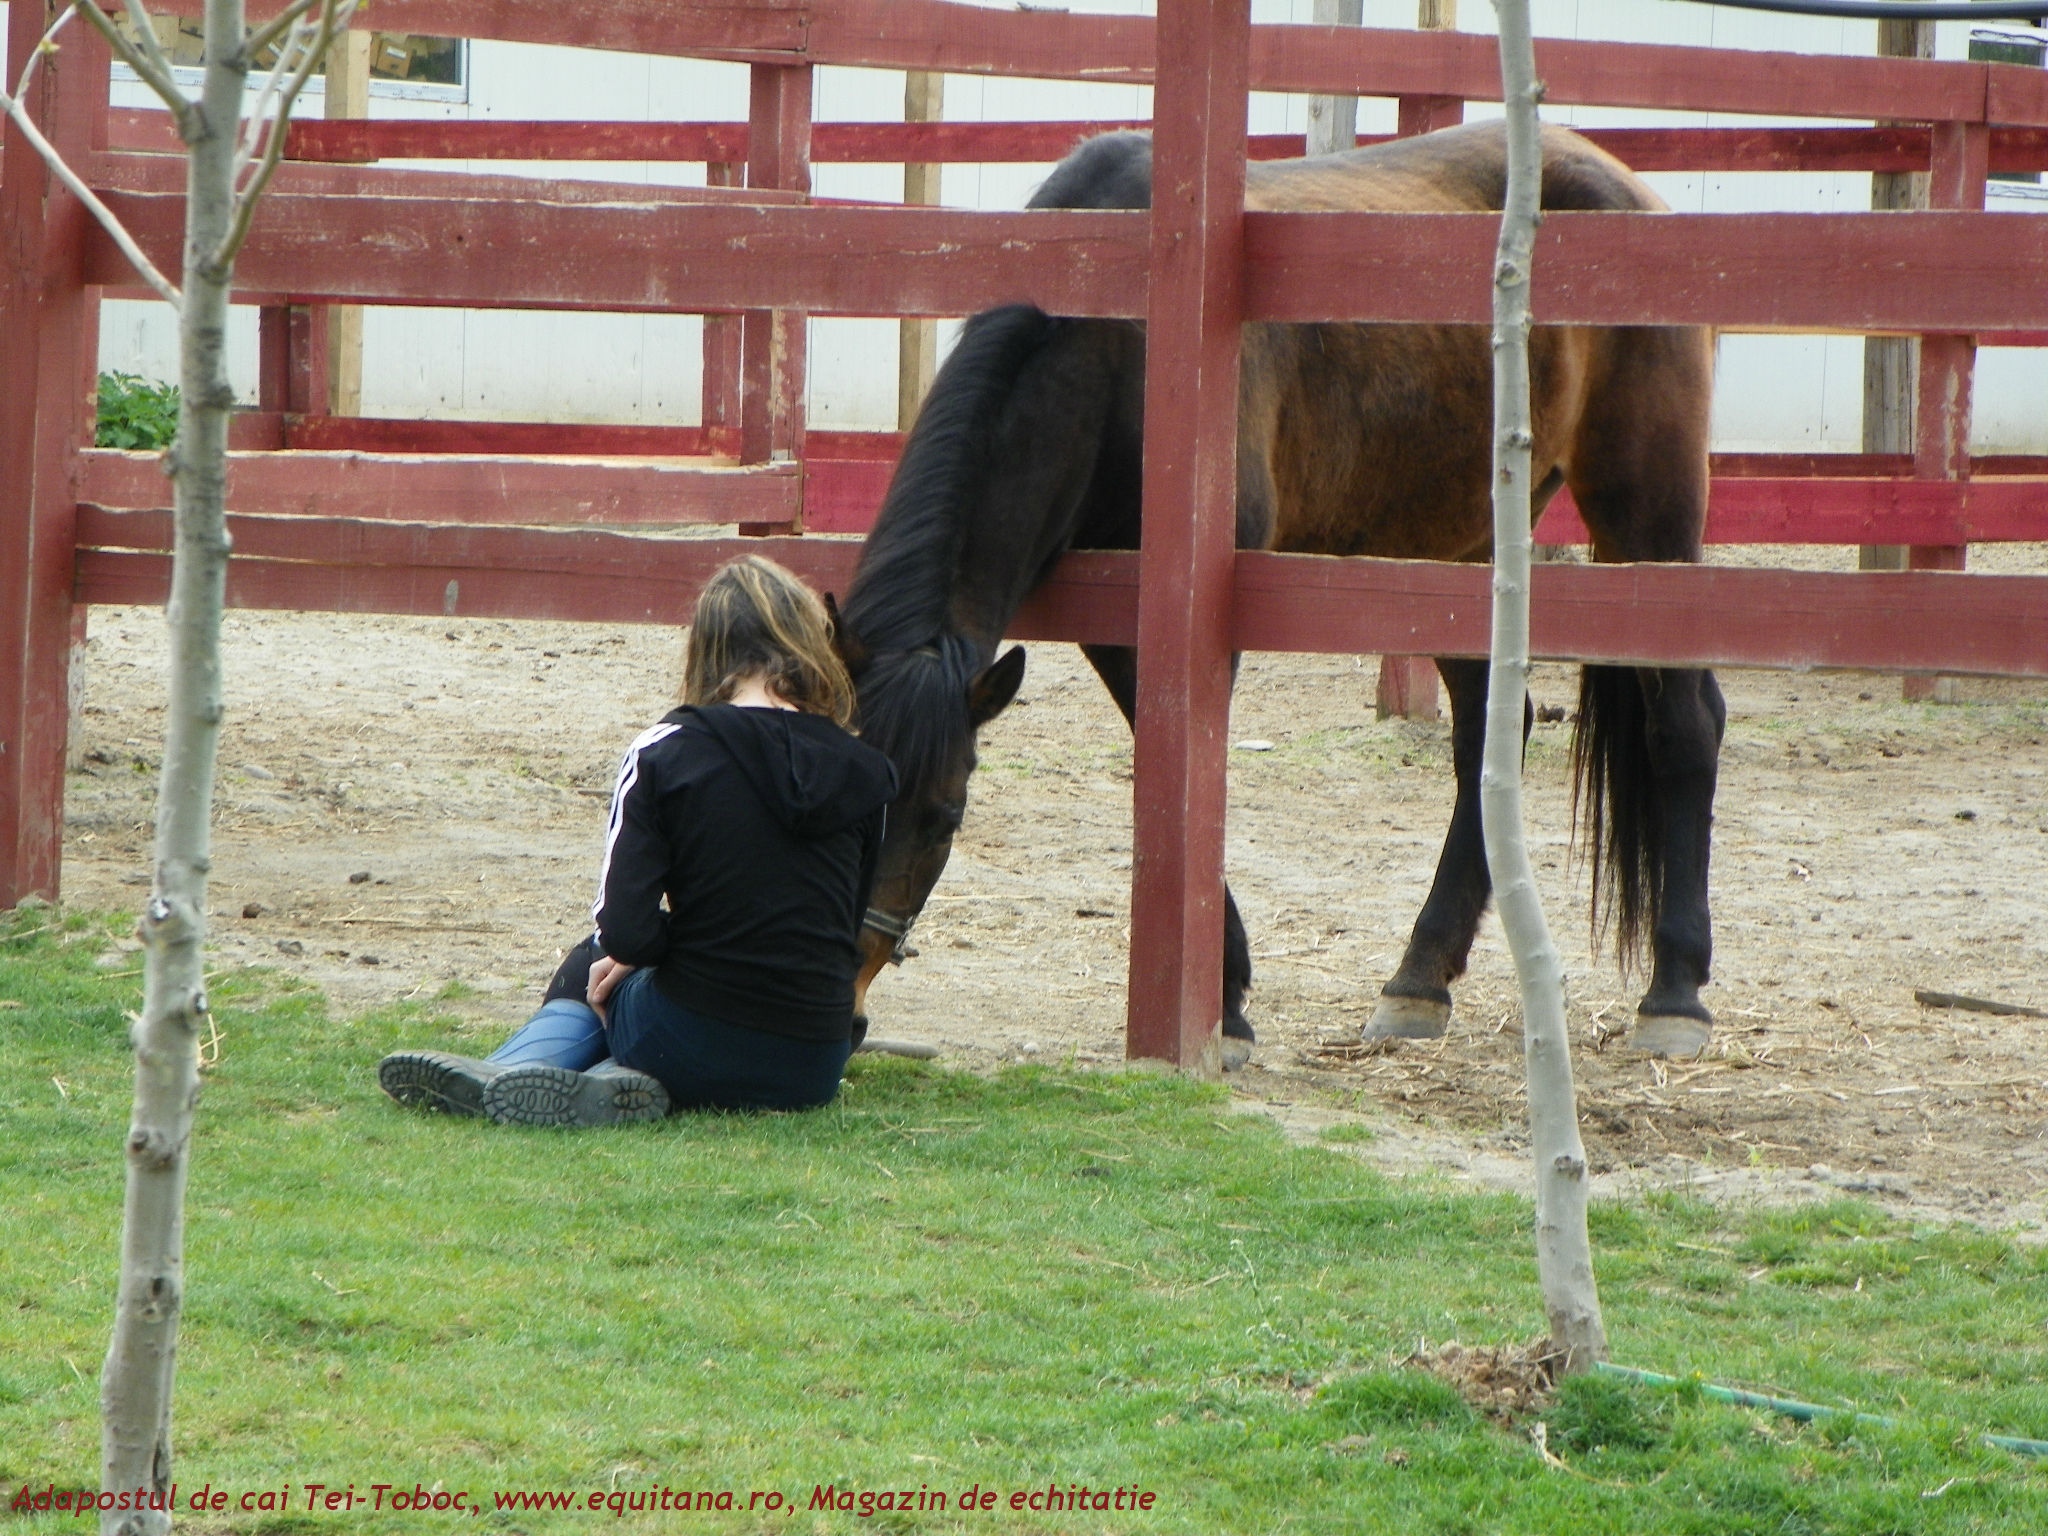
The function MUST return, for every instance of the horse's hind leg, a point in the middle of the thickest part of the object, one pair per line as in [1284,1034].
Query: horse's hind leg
[1649,743]
[1650,738]
[1416,1003]
[1117,666]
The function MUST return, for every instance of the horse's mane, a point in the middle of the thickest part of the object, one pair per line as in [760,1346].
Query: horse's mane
[913,684]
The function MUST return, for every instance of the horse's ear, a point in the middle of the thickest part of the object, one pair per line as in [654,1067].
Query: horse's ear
[851,652]
[996,684]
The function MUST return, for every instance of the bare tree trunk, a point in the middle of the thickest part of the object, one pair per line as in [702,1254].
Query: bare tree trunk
[1564,1256]
[135,1390]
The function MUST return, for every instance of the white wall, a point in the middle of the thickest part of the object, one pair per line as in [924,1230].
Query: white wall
[1774,392]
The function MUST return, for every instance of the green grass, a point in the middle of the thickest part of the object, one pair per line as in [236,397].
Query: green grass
[941,1281]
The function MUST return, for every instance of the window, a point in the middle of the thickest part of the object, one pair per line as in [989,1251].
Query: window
[2011,46]
[394,56]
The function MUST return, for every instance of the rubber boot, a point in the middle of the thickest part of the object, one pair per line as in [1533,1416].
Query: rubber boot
[607,1094]
[564,1033]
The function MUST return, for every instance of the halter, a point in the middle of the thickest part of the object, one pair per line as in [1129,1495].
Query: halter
[896,928]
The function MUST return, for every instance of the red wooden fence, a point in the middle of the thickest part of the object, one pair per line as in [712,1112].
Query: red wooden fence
[534,519]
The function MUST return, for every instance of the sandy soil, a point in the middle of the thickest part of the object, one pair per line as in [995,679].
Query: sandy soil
[410,803]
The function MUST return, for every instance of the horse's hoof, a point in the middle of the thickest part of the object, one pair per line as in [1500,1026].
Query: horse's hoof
[1236,1052]
[1407,1018]
[1670,1034]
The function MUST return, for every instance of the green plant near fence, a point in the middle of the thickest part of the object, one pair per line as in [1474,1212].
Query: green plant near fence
[136,412]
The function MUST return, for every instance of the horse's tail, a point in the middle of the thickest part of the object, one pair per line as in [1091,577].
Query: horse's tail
[1614,804]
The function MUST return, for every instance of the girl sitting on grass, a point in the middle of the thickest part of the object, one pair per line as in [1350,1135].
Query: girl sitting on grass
[738,859]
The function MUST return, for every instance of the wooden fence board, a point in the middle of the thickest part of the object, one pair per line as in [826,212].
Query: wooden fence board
[1857,272]
[1654,614]
[490,254]
[1758,509]
[734,29]
[932,35]
[353,140]
[460,488]
[1369,61]
[165,175]
[1673,615]
[1949,272]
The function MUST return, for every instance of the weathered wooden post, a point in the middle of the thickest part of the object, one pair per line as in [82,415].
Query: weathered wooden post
[1946,373]
[917,348]
[1564,1256]
[1193,315]
[348,95]
[719,419]
[772,341]
[1333,120]
[49,341]
[1408,686]
[1426,114]
[1889,362]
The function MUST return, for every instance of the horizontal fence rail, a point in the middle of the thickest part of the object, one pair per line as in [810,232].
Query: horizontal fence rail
[1853,272]
[1637,614]
[659,475]
[1314,60]
[361,141]
[465,488]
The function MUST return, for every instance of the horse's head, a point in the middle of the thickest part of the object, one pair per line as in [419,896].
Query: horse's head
[922,708]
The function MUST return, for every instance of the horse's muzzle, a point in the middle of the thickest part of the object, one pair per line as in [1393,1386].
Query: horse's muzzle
[895,929]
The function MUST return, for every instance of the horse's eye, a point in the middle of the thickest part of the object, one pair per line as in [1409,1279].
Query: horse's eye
[948,814]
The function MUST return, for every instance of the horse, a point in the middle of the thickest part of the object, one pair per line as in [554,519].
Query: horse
[1352,440]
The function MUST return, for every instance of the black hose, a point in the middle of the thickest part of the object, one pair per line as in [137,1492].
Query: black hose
[1897,10]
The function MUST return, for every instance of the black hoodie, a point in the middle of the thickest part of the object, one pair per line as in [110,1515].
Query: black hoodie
[760,828]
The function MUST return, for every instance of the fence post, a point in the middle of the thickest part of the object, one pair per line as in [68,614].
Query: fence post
[1426,114]
[1193,317]
[348,95]
[1941,418]
[772,341]
[720,417]
[1890,362]
[293,372]
[1333,120]
[1407,687]
[51,326]
[917,354]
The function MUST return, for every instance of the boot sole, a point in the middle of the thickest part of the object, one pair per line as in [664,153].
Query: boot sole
[538,1095]
[433,1080]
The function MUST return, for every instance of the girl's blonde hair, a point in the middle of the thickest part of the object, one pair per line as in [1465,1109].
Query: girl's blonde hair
[756,619]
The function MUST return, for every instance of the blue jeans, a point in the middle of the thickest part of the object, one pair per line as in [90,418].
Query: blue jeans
[704,1063]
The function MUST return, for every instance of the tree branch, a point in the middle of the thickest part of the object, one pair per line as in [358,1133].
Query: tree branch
[249,139]
[333,21]
[147,61]
[71,179]
[279,24]
[146,39]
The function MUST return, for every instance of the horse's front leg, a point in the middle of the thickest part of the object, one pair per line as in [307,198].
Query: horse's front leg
[1117,666]
[1415,1004]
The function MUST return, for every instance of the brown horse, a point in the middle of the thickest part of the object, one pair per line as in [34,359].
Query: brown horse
[1352,440]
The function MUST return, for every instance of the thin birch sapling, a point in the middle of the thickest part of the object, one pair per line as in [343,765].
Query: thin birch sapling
[1564,1257]
[231,161]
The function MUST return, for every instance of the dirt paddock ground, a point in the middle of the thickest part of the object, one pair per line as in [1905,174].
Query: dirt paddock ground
[409,803]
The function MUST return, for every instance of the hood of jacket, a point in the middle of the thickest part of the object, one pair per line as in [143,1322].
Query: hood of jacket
[816,778]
